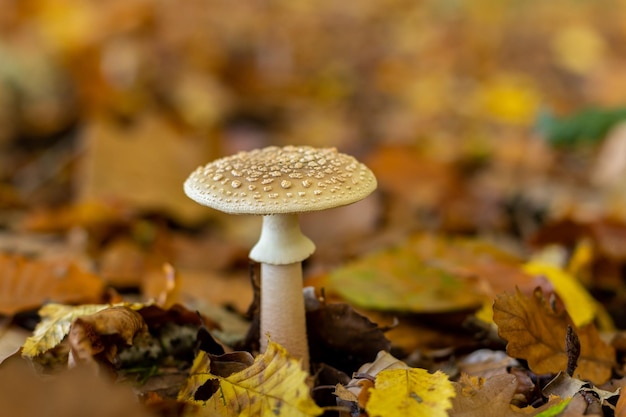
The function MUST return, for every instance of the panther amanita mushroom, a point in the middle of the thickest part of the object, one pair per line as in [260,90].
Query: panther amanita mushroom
[279,183]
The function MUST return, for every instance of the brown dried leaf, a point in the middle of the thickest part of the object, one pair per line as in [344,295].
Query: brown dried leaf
[88,334]
[537,333]
[343,338]
[478,397]
[26,284]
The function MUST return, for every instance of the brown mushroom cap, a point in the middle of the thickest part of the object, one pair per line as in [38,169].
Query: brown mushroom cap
[274,180]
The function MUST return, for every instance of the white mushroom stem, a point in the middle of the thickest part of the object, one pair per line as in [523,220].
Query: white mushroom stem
[281,241]
[282,309]
[281,249]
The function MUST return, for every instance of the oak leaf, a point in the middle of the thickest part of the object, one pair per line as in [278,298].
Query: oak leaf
[26,283]
[412,391]
[581,306]
[273,385]
[536,332]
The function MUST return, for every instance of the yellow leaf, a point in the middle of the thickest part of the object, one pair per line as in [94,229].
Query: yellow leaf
[509,98]
[273,385]
[578,48]
[55,323]
[410,392]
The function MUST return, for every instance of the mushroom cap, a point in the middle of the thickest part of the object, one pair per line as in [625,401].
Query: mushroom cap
[278,180]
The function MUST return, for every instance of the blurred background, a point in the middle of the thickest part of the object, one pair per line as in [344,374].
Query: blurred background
[485,117]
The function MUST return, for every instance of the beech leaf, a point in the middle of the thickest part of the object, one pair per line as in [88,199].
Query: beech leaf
[413,391]
[273,385]
[536,332]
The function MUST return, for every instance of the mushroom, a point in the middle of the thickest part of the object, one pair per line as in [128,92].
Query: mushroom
[279,183]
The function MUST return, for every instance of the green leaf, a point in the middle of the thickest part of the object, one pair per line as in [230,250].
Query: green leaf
[556,409]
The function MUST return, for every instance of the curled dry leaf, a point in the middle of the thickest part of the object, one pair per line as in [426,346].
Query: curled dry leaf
[534,331]
[356,391]
[93,334]
[26,284]
[565,386]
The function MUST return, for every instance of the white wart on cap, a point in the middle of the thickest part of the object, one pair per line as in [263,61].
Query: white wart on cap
[280,180]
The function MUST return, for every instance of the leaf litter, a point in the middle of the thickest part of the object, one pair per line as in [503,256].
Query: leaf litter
[488,158]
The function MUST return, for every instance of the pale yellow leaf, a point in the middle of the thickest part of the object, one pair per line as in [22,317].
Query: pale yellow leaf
[410,392]
[273,385]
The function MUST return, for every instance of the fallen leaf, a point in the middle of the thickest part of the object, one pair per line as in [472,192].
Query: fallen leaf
[395,279]
[274,384]
[355,393]
[87,333]
[479,397]
[565,386]
[384,362]
[581,306]
[26,283]
[55,324]
[555,410]
[413,391]
[341,337]
[430,273]
[534,331]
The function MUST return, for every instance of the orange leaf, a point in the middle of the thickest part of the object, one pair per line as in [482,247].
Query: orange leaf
[26,284]
[536,332]
[620,407]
